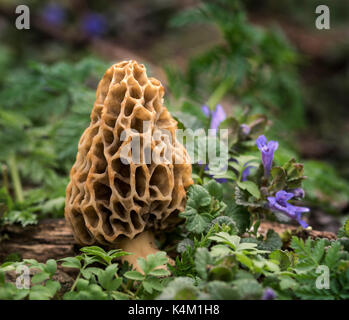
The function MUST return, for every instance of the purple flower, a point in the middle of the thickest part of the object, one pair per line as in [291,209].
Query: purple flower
[217,116]
[94,24]
[298,193]
[53,14]
[269,294]
[206,110]
[267,149]
[246,173]
[279,203]
[245,129]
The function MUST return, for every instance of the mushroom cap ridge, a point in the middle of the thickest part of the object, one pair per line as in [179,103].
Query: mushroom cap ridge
[108,200]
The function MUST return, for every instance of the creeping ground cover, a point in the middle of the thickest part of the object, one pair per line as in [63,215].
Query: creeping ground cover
[248,226]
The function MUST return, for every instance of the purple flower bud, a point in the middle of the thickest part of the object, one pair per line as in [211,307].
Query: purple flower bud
[298,193]
[245,129]
[246,173]
[269,294]
[217,116]
[206,110]
[53,14]
[94,24]
[267,149]
[279,203]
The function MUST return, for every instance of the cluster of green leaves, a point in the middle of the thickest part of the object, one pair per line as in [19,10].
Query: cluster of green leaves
[316,269]
[204,204]
[98,277]
[218,264]
[259,69]
[257,66]
[229,269]
[43,288]
[43,111]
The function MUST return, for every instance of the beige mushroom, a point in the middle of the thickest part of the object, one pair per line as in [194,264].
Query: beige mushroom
[121,203]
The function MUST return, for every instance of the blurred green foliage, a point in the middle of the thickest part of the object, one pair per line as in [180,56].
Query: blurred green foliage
[257,65]
[43,111]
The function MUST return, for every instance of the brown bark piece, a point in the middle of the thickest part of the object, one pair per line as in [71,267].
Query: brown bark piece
[50,239]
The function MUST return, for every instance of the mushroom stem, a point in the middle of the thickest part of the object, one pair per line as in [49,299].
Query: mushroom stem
[141,246]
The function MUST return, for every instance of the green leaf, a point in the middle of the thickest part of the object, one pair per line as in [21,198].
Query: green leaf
[319,250]
[215,189]
[98,252]
[288,283]
[346,228]
[153,261]
[272,241]
[82,284]
[40,277]
[202,259]
[332,257]
[159,273]
[52,286]
[240,215]
[251,187]
[181,288]
[220,290]
[197,223]
[147,287]
[221,273]
[155,283]
[40,292]
[198,197]
[134,275]
[107,278]
[89,272]
[243,259]
[71,262]
[225,238]
[282,258]
[51,266]
[249,289]
[120,296]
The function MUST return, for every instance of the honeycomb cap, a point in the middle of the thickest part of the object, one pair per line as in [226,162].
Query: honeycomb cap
[108,199]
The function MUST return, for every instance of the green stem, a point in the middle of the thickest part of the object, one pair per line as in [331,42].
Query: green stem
[11,161]
[219,93]
[202,171]
[5,179]
[75,282]
[139,288]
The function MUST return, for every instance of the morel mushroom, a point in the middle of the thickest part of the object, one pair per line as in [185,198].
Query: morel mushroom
[111,200]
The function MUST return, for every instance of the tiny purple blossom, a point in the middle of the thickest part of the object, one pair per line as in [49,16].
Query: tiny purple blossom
[246,173]
[206,110]
[94,24]
[267,149]
[245,129]
[279,203]
[217,116]
[53,14]
[298,193]
[269,294]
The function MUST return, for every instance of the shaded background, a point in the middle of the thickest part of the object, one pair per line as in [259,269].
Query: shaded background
[109,31]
